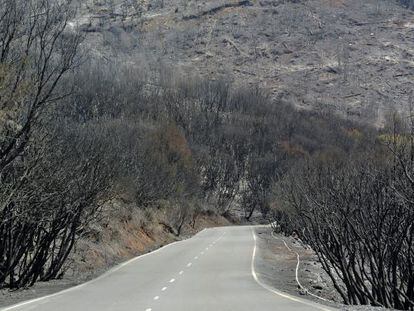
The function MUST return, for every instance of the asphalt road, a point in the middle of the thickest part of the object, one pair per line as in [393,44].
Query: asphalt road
[212,271]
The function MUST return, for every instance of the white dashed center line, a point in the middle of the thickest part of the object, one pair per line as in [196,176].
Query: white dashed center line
[188,265]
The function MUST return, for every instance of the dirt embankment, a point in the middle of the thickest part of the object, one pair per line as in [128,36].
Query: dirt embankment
[276,265]
[122,233]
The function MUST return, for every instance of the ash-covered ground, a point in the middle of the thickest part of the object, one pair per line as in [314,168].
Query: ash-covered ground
[275,265]
[352,57]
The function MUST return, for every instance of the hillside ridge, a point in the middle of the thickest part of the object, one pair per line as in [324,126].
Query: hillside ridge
[351,57]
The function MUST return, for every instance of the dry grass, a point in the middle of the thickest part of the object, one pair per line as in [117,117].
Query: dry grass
[126,231]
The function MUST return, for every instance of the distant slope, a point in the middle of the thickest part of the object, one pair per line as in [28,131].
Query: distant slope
[354,57]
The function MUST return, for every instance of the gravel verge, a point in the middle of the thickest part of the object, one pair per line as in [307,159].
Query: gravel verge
[276,266]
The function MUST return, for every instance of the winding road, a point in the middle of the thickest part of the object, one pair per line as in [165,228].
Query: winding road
[214,271]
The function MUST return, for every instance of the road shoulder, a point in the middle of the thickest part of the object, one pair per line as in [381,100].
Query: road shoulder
[93,258]
[276,264]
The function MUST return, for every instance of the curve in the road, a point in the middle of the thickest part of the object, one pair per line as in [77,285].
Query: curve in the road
[218,279]
[284,295]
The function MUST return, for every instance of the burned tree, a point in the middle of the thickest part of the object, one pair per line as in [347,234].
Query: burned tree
[357,214]
[48,187]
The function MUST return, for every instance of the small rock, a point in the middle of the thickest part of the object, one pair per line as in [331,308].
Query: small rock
[319,287]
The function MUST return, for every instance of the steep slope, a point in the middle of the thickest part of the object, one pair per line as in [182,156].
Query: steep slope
[353,57]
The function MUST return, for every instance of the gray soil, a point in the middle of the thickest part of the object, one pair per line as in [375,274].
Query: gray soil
[276,266]
[40,289]
[352,57]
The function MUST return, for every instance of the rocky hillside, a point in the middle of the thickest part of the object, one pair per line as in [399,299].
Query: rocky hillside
[350,56]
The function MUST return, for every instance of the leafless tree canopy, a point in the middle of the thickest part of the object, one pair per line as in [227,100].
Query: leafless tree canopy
[357,213]
[46,194]
[72,137]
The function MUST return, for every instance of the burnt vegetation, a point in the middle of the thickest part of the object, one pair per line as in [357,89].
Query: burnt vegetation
[77,131]
[356,211]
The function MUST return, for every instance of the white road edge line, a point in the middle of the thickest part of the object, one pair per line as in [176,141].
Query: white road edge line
[297,270]
[274,291]
[109,272]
